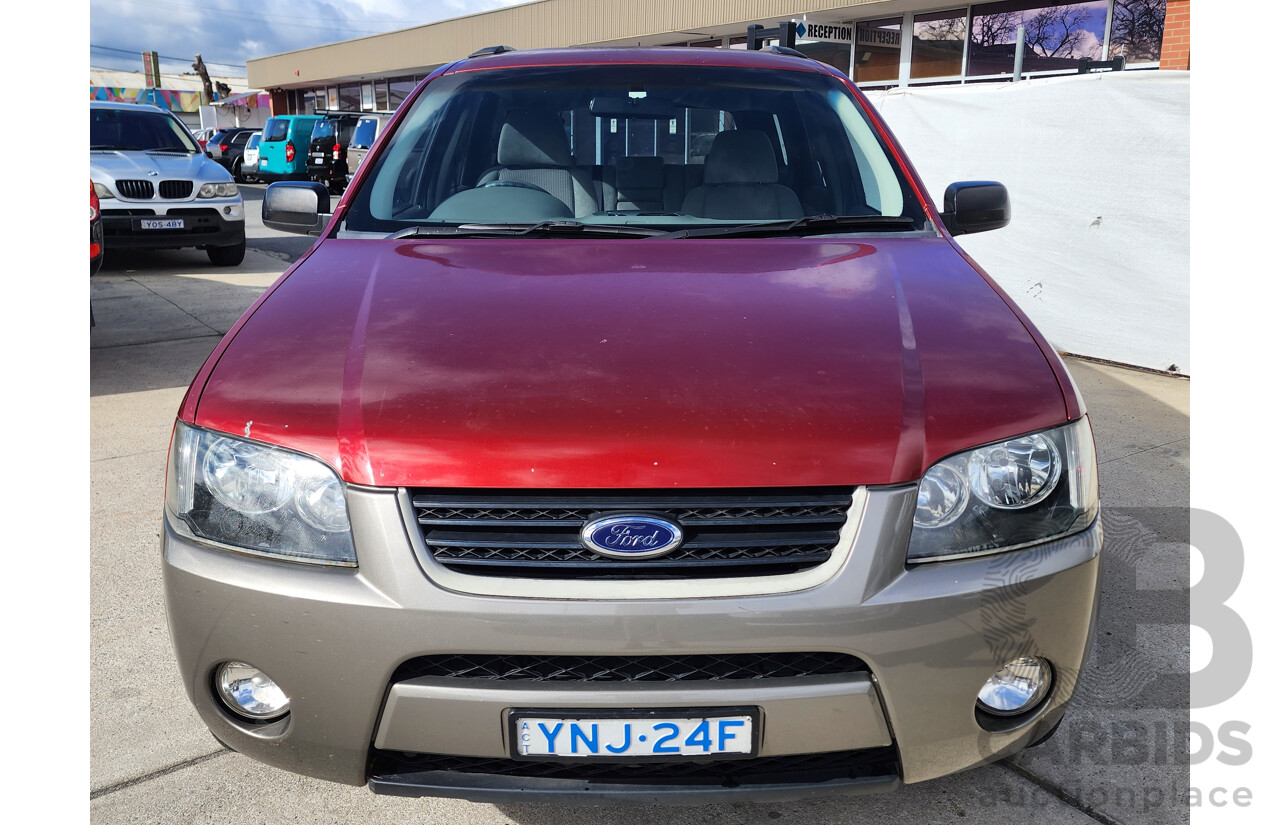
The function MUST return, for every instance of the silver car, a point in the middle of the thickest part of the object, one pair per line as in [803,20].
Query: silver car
[157,189]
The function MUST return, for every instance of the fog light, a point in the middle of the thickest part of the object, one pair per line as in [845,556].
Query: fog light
[250,692]
[226,210]
[1017,687]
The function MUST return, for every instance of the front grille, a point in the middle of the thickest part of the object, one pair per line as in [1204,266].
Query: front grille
[175,189]
[744,532]
[138,190]
[692,668]
[796,769]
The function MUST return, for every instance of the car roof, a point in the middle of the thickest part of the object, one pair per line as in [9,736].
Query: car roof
[665,56]
[124,104]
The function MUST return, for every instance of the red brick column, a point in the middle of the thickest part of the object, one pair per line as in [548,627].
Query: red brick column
[1175,51]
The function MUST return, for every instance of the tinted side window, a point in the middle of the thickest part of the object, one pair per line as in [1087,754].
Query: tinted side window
[241,138]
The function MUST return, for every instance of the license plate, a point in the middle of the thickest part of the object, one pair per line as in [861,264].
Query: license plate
[163,223]
[671,734]
[320,156]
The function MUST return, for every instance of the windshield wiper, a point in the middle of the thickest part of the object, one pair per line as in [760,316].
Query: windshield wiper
[561,227]
[813,224]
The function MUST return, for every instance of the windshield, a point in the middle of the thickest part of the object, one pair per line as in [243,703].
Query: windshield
[323,129]
[662,149]
[138,130]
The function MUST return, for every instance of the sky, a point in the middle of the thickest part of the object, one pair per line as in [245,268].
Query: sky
[226,33]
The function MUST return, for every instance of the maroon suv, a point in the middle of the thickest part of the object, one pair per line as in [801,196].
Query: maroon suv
[634,429]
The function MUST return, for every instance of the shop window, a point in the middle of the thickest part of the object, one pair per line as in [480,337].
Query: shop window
[1137,30]
[349,98]
[380,96]
[833,54]
[366,97]
[877,50]
[309,102]
[1057,35]
[332,95]
[399,92]
[937,45]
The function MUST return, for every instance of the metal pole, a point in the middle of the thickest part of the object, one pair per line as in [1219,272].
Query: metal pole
[1017,53]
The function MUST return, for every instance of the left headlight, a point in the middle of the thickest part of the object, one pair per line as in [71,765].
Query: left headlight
[218,190]
[257,498]
[1007,495]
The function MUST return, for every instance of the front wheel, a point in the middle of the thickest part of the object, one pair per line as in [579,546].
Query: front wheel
[226,255]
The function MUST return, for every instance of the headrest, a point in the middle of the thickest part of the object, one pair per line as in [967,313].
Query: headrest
[741,156]
[533,139]
[639,172]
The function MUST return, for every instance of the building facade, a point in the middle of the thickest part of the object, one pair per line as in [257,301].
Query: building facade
[879,43]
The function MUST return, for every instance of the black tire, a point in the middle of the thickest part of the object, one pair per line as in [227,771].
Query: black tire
[226,255]
[235,173]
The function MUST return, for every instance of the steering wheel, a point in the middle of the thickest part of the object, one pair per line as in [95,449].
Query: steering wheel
[518,184]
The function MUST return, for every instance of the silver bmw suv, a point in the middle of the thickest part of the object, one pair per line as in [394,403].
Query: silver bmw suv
[157,189]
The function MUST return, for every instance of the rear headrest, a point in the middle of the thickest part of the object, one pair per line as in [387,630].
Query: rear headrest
[741,156]
[533,139]
[641,171]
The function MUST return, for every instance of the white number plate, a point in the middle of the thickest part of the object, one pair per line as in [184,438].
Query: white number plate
[319,156]
[655,737]
[163,223]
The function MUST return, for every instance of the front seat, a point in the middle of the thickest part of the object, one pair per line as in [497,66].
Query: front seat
[533,148]
[740,181]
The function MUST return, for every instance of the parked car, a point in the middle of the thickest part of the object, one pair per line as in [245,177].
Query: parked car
[249,164]
[96,248]
[157,189]
[366,132]
[227,148]
[327,152]
[202,137]
[282,154]
[553,474]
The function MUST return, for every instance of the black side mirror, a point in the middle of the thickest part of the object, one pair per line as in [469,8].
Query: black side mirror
[296,206]
[975,206]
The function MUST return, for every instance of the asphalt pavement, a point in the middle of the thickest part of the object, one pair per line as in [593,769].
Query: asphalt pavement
[1120,756]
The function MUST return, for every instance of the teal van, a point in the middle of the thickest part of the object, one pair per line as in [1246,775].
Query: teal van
[283,151]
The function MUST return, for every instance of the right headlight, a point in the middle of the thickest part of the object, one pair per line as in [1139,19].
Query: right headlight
[217,190]
[102,191]
[257,498]
[1007,495]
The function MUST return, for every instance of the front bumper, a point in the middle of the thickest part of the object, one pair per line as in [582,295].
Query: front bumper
[930,636]
[208,222]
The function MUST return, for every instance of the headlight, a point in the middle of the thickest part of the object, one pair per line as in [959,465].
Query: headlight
[218,190]
[101,190]
[1003,496]
[257,498]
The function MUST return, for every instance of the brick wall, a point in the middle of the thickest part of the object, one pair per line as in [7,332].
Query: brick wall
[1175,51]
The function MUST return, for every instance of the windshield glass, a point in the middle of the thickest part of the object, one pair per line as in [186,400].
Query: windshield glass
[138,129]
[665,148]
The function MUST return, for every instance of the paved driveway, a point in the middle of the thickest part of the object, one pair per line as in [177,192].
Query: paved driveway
[1119,757]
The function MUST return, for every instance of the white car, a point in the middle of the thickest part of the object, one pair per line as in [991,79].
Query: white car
[249,166]
[157,189]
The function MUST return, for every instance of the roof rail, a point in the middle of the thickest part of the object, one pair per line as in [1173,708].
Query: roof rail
[785,33]
[789,52]
[488,50]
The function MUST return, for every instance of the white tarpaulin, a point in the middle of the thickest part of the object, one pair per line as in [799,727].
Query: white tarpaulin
[1098,169]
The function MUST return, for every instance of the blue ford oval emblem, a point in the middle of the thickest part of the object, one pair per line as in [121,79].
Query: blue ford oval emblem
[631,537]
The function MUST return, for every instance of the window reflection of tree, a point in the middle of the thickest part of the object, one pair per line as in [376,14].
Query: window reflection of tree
[1052,31]
[1137,29]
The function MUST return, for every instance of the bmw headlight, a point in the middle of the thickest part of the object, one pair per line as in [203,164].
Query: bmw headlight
[218,190]
[257,498]
[1007,495]
[102,191]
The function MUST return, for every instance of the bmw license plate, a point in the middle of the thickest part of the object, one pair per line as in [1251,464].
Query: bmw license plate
[642,735]
[163,223]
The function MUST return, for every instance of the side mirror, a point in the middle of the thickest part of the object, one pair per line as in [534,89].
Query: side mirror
[975,206]
[296,206]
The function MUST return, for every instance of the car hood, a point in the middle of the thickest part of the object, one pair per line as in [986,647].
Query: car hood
[115,165]
[632,363]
